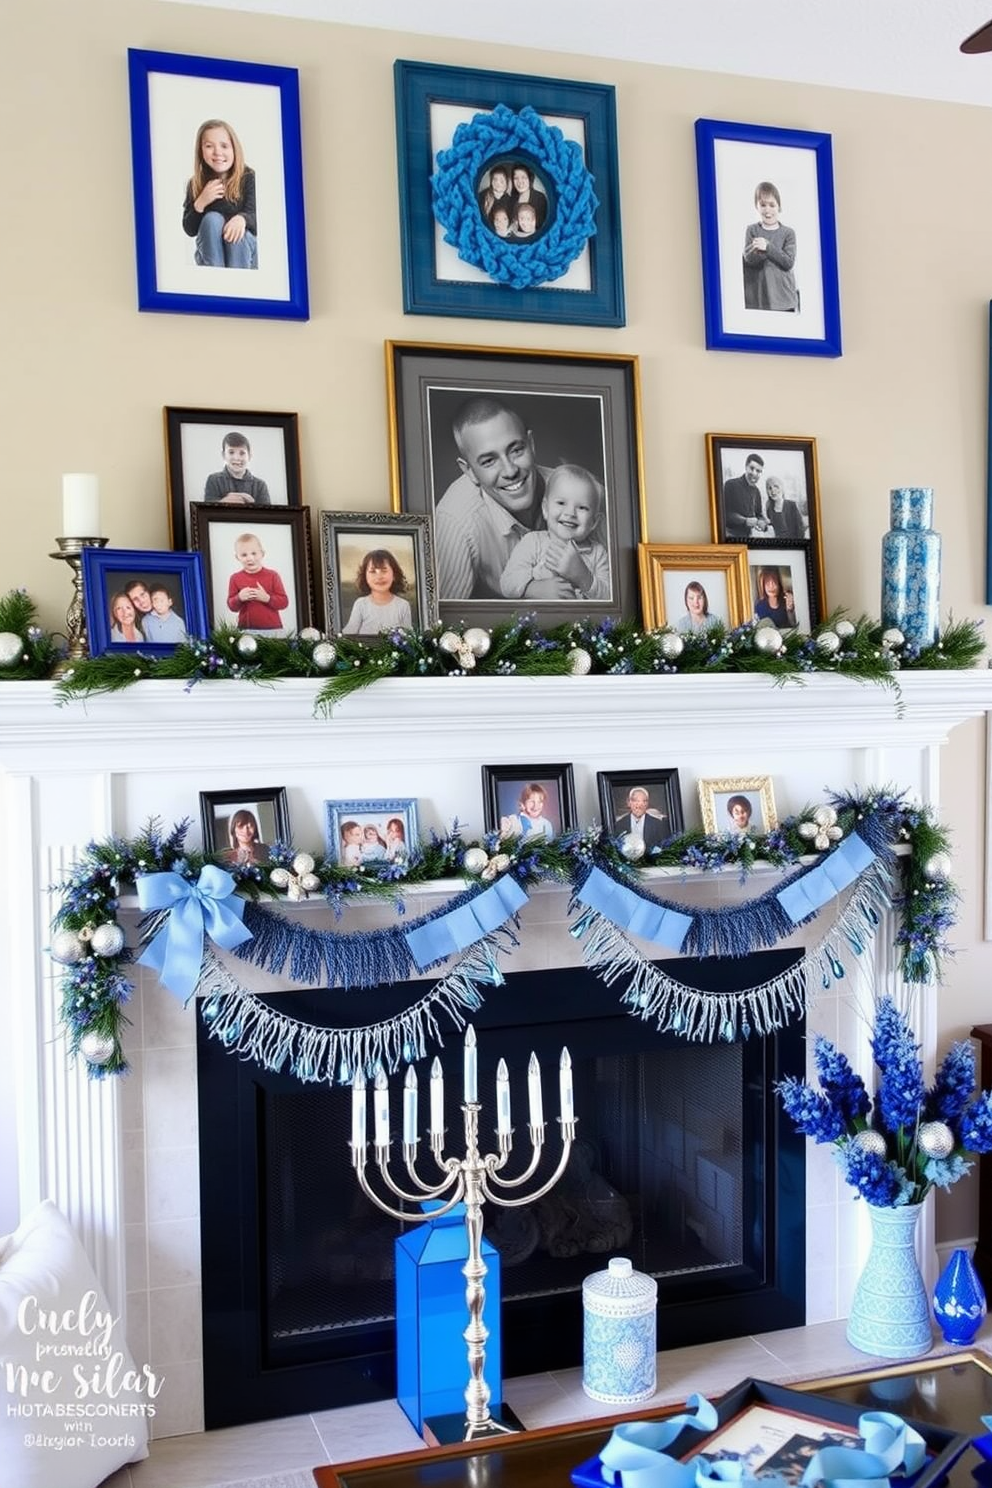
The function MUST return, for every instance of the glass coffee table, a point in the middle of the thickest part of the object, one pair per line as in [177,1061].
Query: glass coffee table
[953,1391]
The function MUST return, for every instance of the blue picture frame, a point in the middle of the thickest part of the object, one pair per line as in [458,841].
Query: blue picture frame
[428,99]
[988,482]
[107,571]
[171,95]
[795,311]
[369,813]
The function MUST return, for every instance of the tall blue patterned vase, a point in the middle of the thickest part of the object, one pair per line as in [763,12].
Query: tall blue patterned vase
[911,567]
[890,1313]
[959,1299]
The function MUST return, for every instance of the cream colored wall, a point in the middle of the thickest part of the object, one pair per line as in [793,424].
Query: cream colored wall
[85,376]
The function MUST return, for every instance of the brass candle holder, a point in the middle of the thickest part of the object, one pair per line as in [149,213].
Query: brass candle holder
[70,552]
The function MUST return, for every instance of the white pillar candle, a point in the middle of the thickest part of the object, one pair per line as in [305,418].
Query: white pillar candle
[80,506]
[535,1099]
[565,1086]
[358,1110]
[410,1106]
[502,1099]
[437,1099]
[380,1102]
[471,1093]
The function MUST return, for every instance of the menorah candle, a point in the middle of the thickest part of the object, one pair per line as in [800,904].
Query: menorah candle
[380,1106]
[471,1081]
[410,1106]
[565,1086]
[80,506]
[358,1110]
[437,1099]
[502,1099]
[535,1100]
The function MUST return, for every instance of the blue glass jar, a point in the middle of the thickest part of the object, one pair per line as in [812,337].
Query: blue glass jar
[911,567]
[959,1299]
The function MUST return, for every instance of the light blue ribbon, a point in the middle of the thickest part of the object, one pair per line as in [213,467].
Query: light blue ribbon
[463,926]
[640,916]
[207,907]
[634,1456]
[816,888]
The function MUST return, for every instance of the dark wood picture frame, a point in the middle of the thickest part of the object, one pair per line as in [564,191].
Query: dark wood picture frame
[615,787]
[288,531]
[408,537]
[194,447]
[268,805]
[503,787]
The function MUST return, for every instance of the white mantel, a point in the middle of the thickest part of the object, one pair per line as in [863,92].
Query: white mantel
[88,769]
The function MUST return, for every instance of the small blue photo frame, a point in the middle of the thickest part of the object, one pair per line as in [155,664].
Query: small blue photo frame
[142,602]
[768,234]
[371,834]
[218,187]
[454,126]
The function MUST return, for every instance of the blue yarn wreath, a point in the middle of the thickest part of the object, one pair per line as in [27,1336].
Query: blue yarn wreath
[505,133]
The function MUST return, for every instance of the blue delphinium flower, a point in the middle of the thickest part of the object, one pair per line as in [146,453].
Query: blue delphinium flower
[842,1087]
[877,1180]
[901,1090]
[810,1112]
[975,1126]
[953,1084]
[943,1171]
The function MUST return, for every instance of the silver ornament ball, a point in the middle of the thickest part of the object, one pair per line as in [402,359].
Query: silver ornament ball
[96,1048]
[808,829]
[11,647]
[449,642]
[671,645]
[309,883]
[579,662]
[767,638]
[477,640]
[825,816]
[828,641]
[247,645]
[279,878]
[870,1141]
[631,847]
[67,948]
[475,859]
[937,867]
[936,1139]
[845,629]
[303,863]
[107,939]
[309,633]
[324,655]
[893,638]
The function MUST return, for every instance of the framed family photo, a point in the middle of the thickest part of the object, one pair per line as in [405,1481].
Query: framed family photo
[229,458]
[691,589]
[367,832]
[530,465]
[218,186]
[768,234]
[241,826]
[738,803]
[528,800]
[647,803]
[142,601]
[474,148]
[257,566]
[378,571]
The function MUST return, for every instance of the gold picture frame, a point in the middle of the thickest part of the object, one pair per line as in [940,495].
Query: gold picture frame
[718,803]
[666,571]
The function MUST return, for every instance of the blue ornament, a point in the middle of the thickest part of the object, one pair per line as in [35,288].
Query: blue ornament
[959,1299]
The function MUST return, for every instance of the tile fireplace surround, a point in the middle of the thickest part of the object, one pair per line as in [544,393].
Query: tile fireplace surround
[120,1157]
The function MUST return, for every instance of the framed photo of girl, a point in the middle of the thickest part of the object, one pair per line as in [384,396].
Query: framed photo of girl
[738,804]
[690,589]
[241,826]
[768,235]
[218,186]
[378,572]
[231,459]
[257,566]
[137,600]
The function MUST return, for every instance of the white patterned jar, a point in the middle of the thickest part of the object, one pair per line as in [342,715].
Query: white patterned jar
[619,1343]
[911,567]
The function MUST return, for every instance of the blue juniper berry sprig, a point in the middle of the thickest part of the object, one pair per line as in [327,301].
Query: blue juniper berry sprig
[895,1148]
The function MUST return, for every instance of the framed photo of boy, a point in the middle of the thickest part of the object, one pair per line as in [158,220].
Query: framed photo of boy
[362,833]
[574,121]
[378,572]
[769,239]
[142,601]
[643,803]
[241,826]
[218,186]
[528,800]
[738,804]
[691,589]
[257,566]
[234,459]
[530,464]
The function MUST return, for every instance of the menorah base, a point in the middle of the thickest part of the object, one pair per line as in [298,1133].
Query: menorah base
[442,1431]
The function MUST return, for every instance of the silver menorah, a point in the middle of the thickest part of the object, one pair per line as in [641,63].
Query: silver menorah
[473,1179]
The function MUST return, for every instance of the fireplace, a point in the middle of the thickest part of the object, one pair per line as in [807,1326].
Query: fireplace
[682,1163]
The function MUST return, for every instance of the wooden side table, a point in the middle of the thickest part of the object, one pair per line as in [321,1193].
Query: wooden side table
[983,1248]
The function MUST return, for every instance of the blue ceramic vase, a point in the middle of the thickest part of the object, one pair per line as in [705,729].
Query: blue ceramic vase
[959,1299]
[890,1312]
[911,567]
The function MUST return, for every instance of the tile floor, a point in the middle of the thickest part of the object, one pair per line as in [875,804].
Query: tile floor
[214,1458]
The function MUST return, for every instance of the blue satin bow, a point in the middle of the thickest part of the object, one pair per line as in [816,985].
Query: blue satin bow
[207,907]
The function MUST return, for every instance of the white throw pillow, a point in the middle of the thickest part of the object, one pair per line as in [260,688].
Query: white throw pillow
[73,1408]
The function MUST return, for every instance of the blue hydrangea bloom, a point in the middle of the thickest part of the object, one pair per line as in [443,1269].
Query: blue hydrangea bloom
[877,1180]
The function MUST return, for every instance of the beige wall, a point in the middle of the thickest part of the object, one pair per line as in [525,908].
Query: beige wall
[85,376]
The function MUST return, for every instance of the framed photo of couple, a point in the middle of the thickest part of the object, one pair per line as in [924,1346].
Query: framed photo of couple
[769,239]
[529,463]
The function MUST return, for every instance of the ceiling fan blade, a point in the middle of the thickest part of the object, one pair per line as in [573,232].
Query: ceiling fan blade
[979,41]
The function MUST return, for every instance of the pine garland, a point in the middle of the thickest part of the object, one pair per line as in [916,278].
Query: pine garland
[39,653]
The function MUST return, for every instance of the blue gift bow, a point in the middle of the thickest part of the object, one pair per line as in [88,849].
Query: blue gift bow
[207,907]
[634,1457]
[804,896]
[629,911]
[461,927]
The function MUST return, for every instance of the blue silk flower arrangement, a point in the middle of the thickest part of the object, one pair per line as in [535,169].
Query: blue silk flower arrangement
[894,1149]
